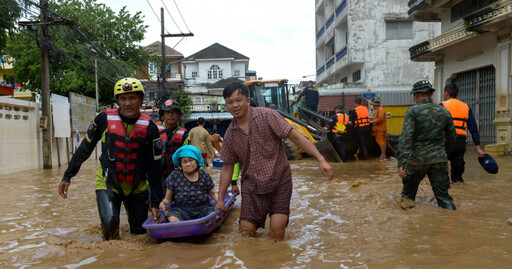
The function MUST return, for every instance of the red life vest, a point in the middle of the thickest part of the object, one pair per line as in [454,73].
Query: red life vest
[128,149]
[363,117]
[170,147]
[460,114]
[341,123]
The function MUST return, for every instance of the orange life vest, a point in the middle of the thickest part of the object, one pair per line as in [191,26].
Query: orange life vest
[127,150]
[460,114]
[363,117]
[341,124]
[170,148]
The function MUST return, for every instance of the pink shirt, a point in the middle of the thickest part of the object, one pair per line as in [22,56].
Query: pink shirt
[263,162]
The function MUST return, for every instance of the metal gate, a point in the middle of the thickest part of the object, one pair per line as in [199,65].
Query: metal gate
[477,89]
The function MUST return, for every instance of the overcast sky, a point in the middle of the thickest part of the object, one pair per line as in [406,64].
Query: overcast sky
[276,35]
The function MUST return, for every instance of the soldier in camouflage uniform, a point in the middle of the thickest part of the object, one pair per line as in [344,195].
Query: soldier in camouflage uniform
[427,132]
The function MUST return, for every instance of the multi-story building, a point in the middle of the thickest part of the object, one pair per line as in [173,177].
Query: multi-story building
[150,74]
[474,52]
[364,44]
[212,64]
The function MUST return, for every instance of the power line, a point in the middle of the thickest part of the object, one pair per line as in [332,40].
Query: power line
[171,15]
[181,17]
[158,18]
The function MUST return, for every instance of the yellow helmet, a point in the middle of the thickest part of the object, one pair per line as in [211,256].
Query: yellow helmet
[127,85]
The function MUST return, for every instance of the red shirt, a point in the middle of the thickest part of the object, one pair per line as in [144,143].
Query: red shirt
[263,162]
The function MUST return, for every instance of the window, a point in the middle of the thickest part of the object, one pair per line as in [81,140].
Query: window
[236,74]
[214,72]
[152,68]
[194,74]
[398,29]
[356,75]
[344,80]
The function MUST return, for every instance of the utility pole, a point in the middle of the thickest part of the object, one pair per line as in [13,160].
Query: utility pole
[163,74]
[45,89]
[46,116]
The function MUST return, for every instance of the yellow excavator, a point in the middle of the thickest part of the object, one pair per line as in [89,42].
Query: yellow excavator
[275,94]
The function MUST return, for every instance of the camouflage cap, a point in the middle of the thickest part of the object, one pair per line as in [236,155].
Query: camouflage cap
[168,105]
[422,86]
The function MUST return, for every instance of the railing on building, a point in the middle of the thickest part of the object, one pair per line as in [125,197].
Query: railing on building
[419,49]
[415,5]
[329,22]
[340,8]
[330,62]
[207,107]
[320,33]
[486,15]
[320,70]
[341,54]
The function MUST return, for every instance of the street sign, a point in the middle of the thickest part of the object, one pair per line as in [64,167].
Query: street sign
[368,95]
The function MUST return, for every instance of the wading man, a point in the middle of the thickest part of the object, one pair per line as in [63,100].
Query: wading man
[129,161]
[254,138]
[426,135]
[462,117]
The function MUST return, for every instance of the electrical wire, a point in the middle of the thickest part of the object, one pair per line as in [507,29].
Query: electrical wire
[171,15]
[181,16]
[156,16]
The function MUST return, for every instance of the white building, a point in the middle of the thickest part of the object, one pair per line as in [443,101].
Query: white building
[365,44]
[212,64]
[473,51]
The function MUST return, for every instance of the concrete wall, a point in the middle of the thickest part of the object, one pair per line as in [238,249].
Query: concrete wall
[21,138]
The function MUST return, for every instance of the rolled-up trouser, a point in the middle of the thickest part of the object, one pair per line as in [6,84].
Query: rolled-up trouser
[437,174]
[456,158]
[136,206]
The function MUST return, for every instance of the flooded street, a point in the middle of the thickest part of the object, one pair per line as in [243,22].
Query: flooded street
[353,222]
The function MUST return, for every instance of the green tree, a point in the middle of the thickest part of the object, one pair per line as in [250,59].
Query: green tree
[183,97]
[9,14]
[95,32]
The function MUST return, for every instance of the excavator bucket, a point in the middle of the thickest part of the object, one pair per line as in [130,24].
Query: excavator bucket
[326,149]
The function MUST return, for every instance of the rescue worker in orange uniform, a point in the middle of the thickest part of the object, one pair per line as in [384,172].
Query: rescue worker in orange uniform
[173,136]
[379,128]
[361,119]
[338,125]
[129,164]
[462,117]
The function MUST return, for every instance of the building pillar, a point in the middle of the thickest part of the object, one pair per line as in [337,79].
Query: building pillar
[503,117]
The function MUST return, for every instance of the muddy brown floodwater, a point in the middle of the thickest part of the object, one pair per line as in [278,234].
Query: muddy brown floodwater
[353,222]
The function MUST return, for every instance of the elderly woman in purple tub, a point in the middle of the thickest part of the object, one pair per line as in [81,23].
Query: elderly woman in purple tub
[189,187]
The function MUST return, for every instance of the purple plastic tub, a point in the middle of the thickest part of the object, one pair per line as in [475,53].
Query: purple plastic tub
[202,226]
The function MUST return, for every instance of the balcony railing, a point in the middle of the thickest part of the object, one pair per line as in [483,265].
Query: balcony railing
[329,22]
[320,33]
[415,5]
[329,63]
[320,70]
[206,107]
[419,49]
[472,22]
[341,54]
[340,8]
